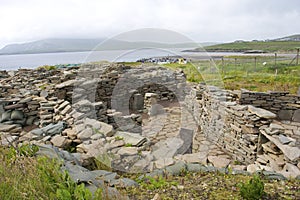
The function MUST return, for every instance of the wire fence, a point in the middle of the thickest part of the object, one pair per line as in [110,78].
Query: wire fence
[255,64]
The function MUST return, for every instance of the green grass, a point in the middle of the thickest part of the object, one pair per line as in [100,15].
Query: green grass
[204,185]
[235,73]
[24,176]
[47,67]
[268,46]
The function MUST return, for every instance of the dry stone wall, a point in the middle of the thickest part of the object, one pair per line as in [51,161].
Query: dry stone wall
[285,105]
[251,135]
[101,82]
[82,101]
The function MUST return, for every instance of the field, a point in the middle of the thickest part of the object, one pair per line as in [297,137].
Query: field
[258,73]
[266,46]
[25,176]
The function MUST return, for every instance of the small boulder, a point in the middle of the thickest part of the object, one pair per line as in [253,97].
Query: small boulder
[60,141]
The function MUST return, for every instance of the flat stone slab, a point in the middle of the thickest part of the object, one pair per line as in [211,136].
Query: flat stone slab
[218,161]
[199,157]
[164,162]
[285,140]
[187,136]
[131,138]
[167,148]
[51,129]
[66,84]
[296,116]
[290,152]
[261,112]
[128,151]
[6,127]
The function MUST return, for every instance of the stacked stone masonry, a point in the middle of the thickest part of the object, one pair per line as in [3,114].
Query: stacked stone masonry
[257,129]
[250,134]
[285,105]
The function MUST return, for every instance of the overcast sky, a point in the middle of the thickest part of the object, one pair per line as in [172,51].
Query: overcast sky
[200,20]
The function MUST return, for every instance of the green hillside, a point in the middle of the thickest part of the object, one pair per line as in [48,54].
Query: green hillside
[265,46]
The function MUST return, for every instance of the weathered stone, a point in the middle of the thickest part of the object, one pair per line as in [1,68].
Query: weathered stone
[84,106]
[261,112]
[123,182]
[7,140]
[96,136]
[156,197]
[115,144]
[7,128]
[66,110]
[275,126]
[128,151]
[14,106]
[291,153]
[131,138]
[164,162]
[249,130]
[106,129]
[85,134]
[285,140]
[66,84]
[290,170]
[193,167]
[218,161]
[60,141]
[267,147]
[186,135]
[167,148]
[239,167]
[5,116]
[53,129]
[176,169]
[200,157]
[285,114]
[296,116]
[273,175]
[44,93]
[253,168]
[25,100]
[63,105]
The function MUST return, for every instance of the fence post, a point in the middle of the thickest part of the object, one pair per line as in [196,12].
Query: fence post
[222,65]
[255,59]
[235,63]
[297,59]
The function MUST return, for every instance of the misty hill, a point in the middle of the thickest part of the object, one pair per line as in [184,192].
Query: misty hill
[72,45]
[285,44]
[289,38]
[51,45]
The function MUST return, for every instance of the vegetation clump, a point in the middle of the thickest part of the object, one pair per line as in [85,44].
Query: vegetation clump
[252,189]
[25,176]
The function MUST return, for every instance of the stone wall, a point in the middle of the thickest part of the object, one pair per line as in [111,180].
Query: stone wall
[285,105]
[242,130]
[19,112]
[107,93]
[116,85]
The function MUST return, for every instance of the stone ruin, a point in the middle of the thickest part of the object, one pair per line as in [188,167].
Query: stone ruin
[259,129]
[149,119]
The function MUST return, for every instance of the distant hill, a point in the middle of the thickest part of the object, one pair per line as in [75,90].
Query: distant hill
[289,38]
[285,44]
[72,45]
[51,45]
